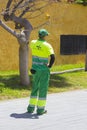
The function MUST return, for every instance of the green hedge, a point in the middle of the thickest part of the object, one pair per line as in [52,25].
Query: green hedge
[84,2]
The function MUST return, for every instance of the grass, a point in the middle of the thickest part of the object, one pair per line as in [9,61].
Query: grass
[67,67]
[10,87]
[68,82]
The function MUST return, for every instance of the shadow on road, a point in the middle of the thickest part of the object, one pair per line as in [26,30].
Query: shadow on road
[24,115]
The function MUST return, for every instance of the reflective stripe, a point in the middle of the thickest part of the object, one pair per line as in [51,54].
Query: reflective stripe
[33,97]
[42,99]
[37,63]
[40,58]
[33,101]
[41,103]
[40,107]
[31,105]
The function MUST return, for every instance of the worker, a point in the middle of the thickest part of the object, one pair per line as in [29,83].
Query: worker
[41,53]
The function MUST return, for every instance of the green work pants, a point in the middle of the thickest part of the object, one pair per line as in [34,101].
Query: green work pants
[39,90]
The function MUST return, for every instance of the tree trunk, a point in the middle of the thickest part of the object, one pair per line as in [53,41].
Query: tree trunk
[23,64]
[86,56]
[86,61]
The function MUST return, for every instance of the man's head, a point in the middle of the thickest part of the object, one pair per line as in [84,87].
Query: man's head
[43,33]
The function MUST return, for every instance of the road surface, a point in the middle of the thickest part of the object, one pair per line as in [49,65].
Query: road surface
[66,111]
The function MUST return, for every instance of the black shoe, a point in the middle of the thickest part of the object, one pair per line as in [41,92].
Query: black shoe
[41,113]
[30,109]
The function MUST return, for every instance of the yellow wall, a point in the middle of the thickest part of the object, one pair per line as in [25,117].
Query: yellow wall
[65,19]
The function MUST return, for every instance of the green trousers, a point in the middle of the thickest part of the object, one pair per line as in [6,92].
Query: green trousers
[39,90]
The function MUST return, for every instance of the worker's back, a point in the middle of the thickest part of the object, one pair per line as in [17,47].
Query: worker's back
[41,51]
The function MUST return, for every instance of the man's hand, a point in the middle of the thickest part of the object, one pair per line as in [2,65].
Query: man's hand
[33,71]
[47,65]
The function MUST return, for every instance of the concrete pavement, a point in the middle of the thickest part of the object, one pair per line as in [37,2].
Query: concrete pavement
[66,111]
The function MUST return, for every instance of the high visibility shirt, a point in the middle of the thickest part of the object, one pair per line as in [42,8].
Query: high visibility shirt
[41,50]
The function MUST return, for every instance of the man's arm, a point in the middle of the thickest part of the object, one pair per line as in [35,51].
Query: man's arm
[52,60]
[51,54]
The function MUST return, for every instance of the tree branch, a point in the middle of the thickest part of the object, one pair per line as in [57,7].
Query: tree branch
[24,23]
[27,3]
[3,25]
[16,6]
[26,10]
[47,22]
[8,4]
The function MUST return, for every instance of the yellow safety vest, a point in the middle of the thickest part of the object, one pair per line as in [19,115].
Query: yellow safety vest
[41,50]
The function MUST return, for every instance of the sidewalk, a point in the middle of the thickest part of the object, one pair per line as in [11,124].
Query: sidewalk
[66,111]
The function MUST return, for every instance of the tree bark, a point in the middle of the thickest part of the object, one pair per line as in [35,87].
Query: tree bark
[23,40]
[86,56]
[23,64]
[86,61]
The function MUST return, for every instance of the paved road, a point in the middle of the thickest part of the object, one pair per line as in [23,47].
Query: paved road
[66,111]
